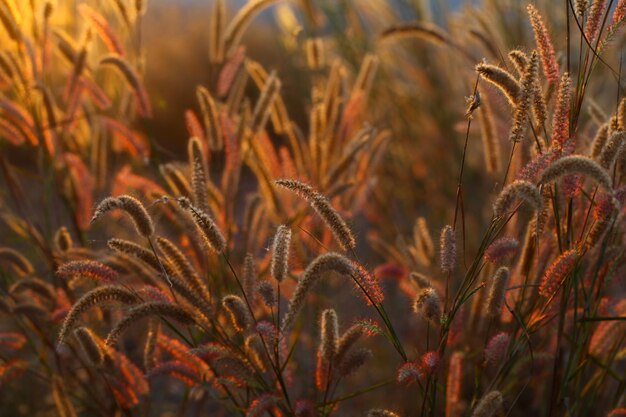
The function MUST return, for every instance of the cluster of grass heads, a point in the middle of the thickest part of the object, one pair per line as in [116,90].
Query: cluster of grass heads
[289,265]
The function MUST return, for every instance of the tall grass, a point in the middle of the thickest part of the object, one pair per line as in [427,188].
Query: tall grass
[137,282]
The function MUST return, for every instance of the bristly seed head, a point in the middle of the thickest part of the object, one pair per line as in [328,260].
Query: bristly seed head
[428,305]
[132,206]
[501,248]
[523,190]
[490,405]
[447,248]
[210,232]
[557,272]
[267,293]
[326,262]
[497,292]
[329,335]
[408,373]
[237,311]
[577,164]
[280,253]
[324,209]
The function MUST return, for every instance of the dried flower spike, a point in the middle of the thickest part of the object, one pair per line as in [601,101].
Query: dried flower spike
[95,297]
[168,310]
[280,253]
[453,393]
[324,263]
[267,293]
[501,248]
[353,361]
[613,147]
[329,335]
[447,249]
[408,373]
[560,121]
[501,79]
[428,305]
[237,312]
[544,44]
[210,232]
[522,190]
[496,348]
[322,206]
[133,207]
[557,272]
[490,405]
[497,292]
[199,174]
[577,164]
[523,103]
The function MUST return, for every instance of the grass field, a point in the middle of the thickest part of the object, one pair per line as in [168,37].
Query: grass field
[312,208]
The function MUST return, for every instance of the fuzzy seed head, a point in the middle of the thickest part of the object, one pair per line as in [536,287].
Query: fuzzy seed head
[353,361]
[501,248]
[324,263]
[577,164]
[613,147]
[496,348]
[447,249]
[519,59]
[455,374]
[280,253]
[429,362]
[93,270]
[603,214]
[599,140]
[517,190]
[594,20]
[329,335]
[502,79]
[490,405]
[237,311]
[158,308]
[267,293]
[133,207]
[523,103]
[497,292]
[544,44]
[557,272]
[428,305]
[199,174]
[208,228]
[408,373]
[348,340]
[560,121]
[96,297]
[324,209]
